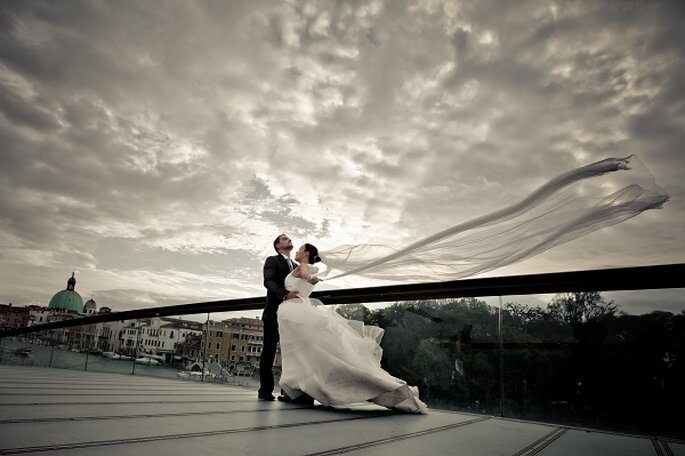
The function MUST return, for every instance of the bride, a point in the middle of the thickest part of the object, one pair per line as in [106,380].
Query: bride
[334,360]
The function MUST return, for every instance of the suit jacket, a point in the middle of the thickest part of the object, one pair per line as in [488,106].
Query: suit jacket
[276,269]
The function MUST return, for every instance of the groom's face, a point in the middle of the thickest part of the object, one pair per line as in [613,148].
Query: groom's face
[284,244]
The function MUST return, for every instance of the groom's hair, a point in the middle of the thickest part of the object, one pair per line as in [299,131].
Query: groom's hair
[278,238]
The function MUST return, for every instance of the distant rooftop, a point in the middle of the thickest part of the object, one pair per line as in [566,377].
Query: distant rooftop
[66,412]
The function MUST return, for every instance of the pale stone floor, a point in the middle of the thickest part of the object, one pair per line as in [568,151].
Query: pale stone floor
[66,412]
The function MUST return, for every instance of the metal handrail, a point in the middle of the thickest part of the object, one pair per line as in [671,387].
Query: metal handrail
[627,278]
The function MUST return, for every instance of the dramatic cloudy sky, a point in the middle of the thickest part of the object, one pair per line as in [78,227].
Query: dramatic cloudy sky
[157,148]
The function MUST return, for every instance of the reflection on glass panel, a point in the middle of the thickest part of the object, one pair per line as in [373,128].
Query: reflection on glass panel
[429,344]
[596,360]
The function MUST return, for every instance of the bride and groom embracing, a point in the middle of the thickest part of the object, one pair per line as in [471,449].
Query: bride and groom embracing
[324,356]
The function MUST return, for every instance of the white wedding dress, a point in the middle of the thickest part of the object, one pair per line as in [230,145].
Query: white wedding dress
[334,360]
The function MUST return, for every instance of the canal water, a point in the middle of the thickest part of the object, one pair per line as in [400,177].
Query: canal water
[45,356]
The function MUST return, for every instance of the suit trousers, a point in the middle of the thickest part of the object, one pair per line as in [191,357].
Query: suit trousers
[266,362]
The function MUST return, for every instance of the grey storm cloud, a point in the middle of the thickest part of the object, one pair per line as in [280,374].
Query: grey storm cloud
[169,142]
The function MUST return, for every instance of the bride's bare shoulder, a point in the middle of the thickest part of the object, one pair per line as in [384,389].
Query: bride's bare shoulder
[302,270]
[305,270]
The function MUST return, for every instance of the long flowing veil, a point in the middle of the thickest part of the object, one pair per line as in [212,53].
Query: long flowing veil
[571,205]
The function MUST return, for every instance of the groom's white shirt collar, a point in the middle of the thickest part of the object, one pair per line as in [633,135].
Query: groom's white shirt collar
[291,264]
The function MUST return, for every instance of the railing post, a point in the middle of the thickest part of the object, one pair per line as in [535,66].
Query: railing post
[135,355]
[204,349]
[501,360]
[52,352]
[85,367]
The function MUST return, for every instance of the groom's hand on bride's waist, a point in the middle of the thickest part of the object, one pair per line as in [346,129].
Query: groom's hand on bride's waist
[291,295]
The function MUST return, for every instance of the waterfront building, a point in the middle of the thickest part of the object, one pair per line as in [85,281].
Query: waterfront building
[160,337]
[190,349]
[13,316]
[236,343]
[66,304]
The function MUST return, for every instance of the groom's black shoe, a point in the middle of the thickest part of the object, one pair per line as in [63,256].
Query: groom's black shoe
[284,398]
[266,397]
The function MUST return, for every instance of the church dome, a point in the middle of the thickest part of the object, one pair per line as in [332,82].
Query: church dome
[67,299]
[89,306]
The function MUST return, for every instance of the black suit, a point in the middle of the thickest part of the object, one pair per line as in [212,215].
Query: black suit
[276,269]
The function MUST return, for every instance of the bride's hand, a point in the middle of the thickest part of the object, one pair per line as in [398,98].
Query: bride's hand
[291,295]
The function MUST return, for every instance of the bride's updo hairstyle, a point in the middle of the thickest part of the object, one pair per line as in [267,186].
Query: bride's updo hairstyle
[313,253]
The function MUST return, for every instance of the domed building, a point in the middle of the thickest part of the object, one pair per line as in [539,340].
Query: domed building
[68,299]
[90,307]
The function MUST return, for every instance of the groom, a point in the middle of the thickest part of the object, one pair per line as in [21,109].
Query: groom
[276,268]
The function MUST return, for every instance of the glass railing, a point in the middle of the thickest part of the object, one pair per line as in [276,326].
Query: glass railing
[617,365]
[611,360]
[183,349]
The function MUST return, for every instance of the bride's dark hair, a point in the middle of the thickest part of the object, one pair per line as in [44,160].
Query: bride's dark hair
[313,253]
